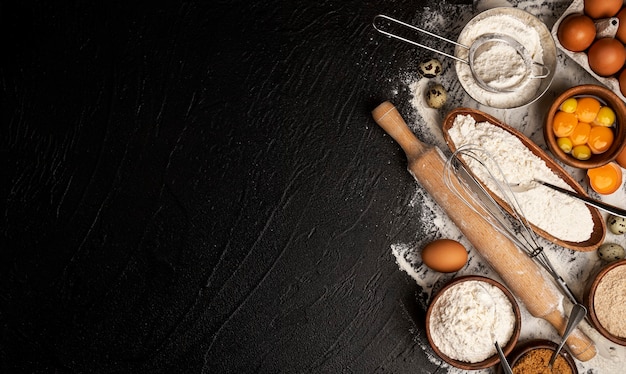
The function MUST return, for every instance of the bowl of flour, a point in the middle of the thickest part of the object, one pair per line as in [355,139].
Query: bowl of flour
[605,298]
[465,319]
[502,64]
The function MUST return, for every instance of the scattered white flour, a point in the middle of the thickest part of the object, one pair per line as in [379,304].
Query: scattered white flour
[501,66]
[560,215]
[468,318]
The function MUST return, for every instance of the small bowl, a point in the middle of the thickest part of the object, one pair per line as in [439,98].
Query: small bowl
[523,348]
[492,360]
[609,98]
[589,296]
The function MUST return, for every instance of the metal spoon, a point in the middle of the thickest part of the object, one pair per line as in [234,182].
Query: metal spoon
[578,313]
[521,187]
[505,364]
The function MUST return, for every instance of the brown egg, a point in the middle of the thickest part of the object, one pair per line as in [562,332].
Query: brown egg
[621,29]
[576,32]
[602,8]
[606,56]
[444,255]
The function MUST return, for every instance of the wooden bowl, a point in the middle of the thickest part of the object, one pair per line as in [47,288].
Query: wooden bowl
[609,98]
[490,361]
[588,300]
[522,349]
[599,226]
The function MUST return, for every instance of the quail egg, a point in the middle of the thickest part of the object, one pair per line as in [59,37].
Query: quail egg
[611,252]
[436,96]
[617,225]
[430,68]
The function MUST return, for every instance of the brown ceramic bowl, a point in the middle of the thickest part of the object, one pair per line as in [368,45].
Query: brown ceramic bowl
[490,361]
[607,97]
[589,296]
[523,348]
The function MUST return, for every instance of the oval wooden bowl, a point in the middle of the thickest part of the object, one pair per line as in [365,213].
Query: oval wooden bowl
[610,99]
[493,360]
[529,345]
[599,226]
[588,298]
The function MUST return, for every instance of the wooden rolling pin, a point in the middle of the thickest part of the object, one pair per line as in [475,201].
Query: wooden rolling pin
[518,271]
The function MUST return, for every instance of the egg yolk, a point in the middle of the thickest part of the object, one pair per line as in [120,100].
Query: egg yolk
[565,144]
[563,123]
[569,105]
[600,139]
[605,179]
[605,117]
[581,152]
[587,109]
[580,134]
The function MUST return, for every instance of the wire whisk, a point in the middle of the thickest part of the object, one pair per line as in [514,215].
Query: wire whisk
[475,193]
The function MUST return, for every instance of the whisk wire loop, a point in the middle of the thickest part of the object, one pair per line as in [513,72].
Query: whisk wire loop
[475,193]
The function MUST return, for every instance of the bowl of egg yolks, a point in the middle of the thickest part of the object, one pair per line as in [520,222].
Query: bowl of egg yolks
[585,127]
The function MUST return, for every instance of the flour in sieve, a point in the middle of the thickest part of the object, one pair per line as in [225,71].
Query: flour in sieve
[561,216]
[511,68]
[505,67]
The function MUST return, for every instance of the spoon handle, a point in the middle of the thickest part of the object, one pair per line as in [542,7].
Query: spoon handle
[578,313]
[505,364]
[595,203]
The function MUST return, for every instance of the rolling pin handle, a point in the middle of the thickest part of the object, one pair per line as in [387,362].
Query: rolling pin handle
[387,116]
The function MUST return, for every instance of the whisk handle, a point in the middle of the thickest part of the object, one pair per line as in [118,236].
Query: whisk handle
[387,116]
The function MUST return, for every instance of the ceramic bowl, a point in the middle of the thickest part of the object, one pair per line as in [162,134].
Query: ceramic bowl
[589,301]
[607,97]
[492,360]
[526,347]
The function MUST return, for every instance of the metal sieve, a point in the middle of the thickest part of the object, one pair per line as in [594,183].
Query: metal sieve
[480,49]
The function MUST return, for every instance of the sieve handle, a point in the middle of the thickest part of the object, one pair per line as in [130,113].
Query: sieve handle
[392,35]
[543,70]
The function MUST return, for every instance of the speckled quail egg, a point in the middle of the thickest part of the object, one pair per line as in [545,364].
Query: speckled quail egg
[617,225]
[611,252]
[436,96]
[430,68]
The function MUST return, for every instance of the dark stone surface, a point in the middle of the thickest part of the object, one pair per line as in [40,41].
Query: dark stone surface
[199,188]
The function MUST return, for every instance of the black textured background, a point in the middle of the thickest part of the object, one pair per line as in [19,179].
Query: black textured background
[199,188]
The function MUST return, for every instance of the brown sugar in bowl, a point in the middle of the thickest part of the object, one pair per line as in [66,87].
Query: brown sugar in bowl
[492,360]
[605,96]
[591,293]
[530,346]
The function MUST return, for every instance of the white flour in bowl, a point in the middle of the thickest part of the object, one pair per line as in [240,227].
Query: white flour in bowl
[468,318]
[561,216]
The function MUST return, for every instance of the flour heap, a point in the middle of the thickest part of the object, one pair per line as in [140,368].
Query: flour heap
[557,214]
